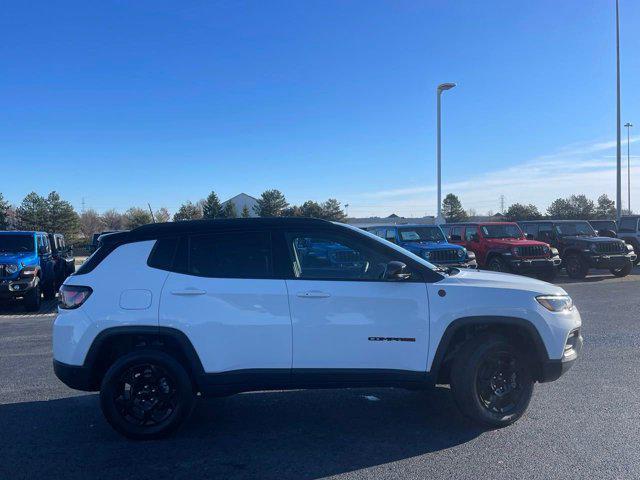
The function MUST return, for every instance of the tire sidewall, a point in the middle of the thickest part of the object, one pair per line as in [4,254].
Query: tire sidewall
[33,299]
[179,377]
[622,272]
[464,384]
[496,264]
[581,270]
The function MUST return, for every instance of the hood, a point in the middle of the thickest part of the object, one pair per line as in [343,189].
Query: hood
[513,242]
[431,246]
[28,258]
[485,279]
[592,239]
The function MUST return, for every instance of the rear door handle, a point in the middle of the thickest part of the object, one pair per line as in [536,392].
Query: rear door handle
[313,294]
[188,292]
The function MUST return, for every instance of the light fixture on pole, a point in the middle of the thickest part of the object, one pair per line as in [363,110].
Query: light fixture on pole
[442,87]
[628,125]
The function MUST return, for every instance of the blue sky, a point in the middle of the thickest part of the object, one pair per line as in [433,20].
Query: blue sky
[123,103]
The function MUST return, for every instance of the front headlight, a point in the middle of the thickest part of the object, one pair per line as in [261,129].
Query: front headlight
[11,269]
[426,254]
[593,247]
[516,251]
[556,303]
[545,249]
[462,252]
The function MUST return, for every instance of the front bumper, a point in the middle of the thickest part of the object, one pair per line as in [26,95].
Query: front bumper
[534,264]
[607,261]
[16,287]
[553,369]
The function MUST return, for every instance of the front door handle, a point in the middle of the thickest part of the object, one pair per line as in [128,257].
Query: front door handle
[313,294]
[188,292]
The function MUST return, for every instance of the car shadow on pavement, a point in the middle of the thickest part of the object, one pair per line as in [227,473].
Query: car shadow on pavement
[284,435]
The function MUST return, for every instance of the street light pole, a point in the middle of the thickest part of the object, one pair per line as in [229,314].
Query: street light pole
[618,146]
[628,125]
[442,87]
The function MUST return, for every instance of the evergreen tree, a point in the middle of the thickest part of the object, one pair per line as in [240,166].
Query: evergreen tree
[606,208]
[211,207]
[271,204]
[331,210]
[518,212]
[245,212]
[229,210]
[32,213]
[187,211]
[61,217]
[452,209]
[292,211]
[311,209]
[4,213]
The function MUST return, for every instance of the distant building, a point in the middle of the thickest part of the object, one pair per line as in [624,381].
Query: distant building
[392,219]
[240,201]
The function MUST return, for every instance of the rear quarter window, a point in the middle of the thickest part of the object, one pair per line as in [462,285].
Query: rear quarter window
[163,254]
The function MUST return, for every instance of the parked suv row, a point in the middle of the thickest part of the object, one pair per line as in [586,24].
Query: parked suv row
[581,249]
[503,247]
[428,242]
[32,265]
[167,311]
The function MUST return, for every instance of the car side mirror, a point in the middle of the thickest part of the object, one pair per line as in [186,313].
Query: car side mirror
[397,271]
[475,237]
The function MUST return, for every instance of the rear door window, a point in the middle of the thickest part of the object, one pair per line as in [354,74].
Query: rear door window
[231,255]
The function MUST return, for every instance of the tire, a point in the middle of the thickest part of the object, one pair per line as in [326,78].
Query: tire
[136,411]
[49,290]
[493,397]
[576,267]
[497,264]
[622,272]
[32,299]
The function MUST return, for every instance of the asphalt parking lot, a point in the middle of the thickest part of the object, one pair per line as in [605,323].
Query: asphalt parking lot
[585,425]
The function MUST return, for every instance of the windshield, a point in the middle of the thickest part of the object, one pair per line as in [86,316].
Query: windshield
[571,229]
[16,243]
[501,231]
[421,234]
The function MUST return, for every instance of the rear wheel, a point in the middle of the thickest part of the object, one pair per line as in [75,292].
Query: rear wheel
[497,264]
[146,394]
[623,271]
[32,299]
[491,381]
[576,267]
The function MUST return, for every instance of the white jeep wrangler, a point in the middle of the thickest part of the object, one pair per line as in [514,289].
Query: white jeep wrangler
[166,311]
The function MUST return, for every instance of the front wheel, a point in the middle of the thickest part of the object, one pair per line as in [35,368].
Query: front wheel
[33,299]
[623,271]
[497,264]
[49,290]
[491,381]
[146,395]
[576,267]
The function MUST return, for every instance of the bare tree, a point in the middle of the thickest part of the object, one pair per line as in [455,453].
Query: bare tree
[90,223]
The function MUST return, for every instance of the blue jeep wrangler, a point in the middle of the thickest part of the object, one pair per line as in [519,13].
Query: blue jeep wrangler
[26,268]
[428,242]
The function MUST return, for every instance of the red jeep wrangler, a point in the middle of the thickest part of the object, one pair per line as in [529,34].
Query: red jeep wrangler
[503,247]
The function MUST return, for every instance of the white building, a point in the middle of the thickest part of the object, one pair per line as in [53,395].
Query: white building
[240,201]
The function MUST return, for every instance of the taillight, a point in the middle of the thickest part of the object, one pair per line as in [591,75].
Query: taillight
[72,296]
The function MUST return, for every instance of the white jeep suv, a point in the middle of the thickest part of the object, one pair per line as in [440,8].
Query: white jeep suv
[166,311]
